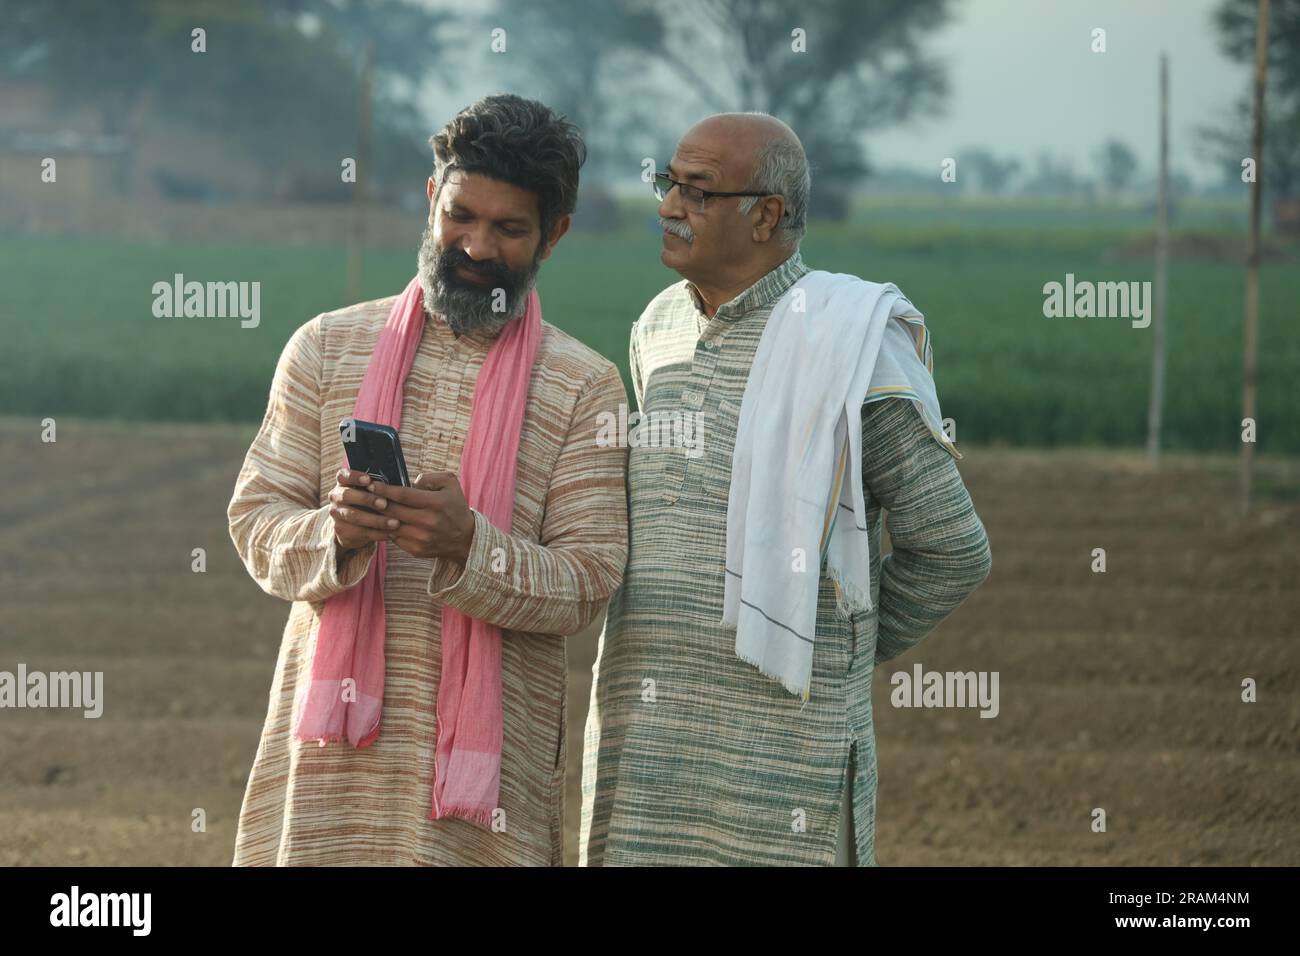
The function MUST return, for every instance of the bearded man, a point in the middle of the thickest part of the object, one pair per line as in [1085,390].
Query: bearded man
[416,711]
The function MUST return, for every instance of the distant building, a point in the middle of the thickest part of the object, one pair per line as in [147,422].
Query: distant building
[148,158]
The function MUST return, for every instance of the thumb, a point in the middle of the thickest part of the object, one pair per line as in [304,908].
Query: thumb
[434,480]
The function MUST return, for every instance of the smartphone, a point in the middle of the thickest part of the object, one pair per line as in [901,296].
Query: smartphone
[374,449]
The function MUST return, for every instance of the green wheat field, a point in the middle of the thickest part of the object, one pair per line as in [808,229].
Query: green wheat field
[80,337]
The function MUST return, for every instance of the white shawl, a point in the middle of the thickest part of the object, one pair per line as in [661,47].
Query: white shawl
[828,346]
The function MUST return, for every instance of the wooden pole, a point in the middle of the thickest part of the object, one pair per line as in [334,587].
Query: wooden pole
[1155,405]
[356,235]
[1250,356]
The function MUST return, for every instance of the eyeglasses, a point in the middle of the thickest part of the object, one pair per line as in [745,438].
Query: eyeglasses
[693,196]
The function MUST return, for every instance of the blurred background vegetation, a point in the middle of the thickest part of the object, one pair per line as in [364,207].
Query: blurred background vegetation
[226,166]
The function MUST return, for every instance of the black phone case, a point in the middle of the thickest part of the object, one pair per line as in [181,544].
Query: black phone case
[376,450]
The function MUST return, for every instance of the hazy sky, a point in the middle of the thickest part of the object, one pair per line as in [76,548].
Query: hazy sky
[1024,79]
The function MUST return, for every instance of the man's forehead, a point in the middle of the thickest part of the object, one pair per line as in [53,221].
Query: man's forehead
[721,146]
[465,186]
[704,161]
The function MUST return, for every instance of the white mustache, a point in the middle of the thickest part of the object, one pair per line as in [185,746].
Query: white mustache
[678,227]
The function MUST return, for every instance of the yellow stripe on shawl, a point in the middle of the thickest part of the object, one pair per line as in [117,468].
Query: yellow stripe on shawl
[828,526]
[923,350]
[832,508]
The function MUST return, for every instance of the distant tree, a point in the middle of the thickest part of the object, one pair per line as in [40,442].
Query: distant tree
[1055,177]
[602,85]
[1235,20]
[1229,143]
[991,173]
[863,70]
[279,75]
[1117,165]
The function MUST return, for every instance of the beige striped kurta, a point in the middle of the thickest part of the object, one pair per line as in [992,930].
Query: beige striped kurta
[694,757]
[307,804]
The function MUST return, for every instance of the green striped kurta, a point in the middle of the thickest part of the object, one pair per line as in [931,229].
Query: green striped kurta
[693,756]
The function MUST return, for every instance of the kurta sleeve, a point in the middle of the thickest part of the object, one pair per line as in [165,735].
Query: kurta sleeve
[940,549]
[634,365]
[558,585]
[281,529]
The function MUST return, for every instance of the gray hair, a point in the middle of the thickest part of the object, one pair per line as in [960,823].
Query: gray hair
[781,169]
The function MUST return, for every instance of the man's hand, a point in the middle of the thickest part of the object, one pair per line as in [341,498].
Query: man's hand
[435,520]
[359,515]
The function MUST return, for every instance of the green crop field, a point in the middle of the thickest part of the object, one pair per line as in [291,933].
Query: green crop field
[80,337]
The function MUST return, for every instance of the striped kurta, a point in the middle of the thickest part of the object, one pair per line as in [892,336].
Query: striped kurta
[550,577]
[692,756]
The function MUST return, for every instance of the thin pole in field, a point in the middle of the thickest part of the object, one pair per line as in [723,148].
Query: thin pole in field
[1155,406]
[1250,356]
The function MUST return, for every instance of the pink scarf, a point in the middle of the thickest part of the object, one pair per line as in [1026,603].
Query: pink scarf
[350,641]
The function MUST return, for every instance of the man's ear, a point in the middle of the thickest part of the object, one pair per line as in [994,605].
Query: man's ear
[559,229]
[771,209]
[432,186]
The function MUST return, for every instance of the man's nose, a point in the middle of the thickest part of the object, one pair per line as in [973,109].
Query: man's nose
[670,207]
[479,245]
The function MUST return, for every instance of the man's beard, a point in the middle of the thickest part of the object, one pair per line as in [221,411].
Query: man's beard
[467,306]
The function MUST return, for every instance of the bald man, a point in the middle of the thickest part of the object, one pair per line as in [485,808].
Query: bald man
[693,756]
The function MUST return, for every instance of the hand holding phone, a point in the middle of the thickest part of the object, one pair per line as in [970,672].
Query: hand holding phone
[374,450]
[359,513]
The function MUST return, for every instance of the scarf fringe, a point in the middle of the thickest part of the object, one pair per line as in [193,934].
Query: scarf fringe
[850,597]
[800,692]
[482,817]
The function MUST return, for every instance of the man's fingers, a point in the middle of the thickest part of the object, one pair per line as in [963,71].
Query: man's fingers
[406,542]
[344,495]
[367,535]
[415,497]
[434,480]
[354,478]
[418,494]
[424,516]
[363,519]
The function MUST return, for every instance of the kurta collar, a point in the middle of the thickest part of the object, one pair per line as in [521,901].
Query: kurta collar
[478,340]
[761,294]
